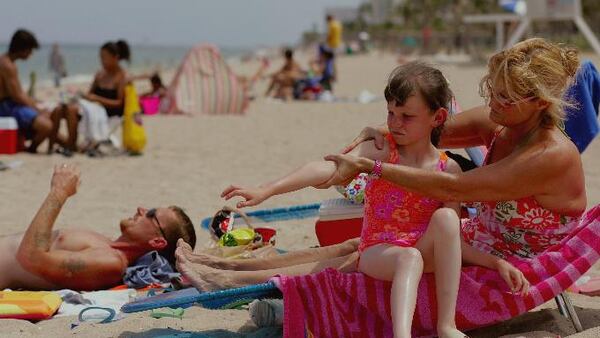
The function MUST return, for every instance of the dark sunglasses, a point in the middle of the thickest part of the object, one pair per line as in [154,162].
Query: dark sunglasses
[151,214]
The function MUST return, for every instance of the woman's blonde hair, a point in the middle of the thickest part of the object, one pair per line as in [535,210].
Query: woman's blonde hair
[533,68]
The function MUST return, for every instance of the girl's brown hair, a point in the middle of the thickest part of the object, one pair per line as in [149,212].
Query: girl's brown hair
[533,68]
[419,77]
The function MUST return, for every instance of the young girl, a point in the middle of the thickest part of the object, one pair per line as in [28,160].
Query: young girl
[402,230]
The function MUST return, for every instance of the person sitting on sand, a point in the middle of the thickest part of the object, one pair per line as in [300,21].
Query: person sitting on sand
[283,81]
[47,259]
[107,90]
[320,78]
[157,87]
[33,122]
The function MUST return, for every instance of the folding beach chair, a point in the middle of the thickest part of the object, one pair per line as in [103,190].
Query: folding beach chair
[335,304]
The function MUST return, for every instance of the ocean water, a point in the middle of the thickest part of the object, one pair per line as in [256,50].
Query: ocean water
[82,61]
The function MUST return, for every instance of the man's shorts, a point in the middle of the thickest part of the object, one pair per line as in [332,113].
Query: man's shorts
[23,114]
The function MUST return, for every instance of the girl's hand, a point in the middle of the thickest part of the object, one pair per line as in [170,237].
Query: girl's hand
[252,196]
[367,133]
[513,277]
[347,167]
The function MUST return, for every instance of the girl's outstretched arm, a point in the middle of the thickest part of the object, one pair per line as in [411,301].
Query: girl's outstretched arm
[313,174]
[309,175]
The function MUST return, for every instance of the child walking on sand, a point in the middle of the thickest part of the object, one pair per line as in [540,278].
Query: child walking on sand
[404,234]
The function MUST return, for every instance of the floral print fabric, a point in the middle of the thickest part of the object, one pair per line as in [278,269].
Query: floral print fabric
[519,228]
[394,215]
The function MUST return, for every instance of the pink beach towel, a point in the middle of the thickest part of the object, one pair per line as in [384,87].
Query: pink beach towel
[334,304]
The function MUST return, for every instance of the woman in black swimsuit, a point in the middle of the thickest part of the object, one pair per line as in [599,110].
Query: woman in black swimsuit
[108,89]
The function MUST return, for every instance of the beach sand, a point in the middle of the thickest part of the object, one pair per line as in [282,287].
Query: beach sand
[189,160]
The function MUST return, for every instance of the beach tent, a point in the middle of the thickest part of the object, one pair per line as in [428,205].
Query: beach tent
[205,84]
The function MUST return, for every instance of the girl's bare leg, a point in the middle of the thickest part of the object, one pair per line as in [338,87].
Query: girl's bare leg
[440,249]
[403,267]
[207,278]
[288,259]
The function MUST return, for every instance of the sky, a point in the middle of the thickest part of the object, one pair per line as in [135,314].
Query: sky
[231,23]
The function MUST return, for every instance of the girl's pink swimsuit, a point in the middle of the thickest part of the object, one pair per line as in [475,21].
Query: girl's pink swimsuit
[521,228]
[392,214]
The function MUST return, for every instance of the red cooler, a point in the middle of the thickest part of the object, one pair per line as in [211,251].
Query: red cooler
[8,135]
[339,220]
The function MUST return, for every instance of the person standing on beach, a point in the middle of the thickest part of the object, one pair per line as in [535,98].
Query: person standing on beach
[56,64]
[33,122]
[334,32]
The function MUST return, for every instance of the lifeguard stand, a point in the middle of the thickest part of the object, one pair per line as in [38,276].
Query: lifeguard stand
[537,10]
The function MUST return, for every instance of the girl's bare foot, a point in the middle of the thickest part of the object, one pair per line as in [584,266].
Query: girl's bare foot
[451,332]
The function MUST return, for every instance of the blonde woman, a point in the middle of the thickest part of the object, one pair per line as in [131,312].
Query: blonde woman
[531,190]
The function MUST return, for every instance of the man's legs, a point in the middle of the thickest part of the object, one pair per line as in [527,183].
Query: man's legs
[288,259]
[41,128]
[206,278]
[70,114]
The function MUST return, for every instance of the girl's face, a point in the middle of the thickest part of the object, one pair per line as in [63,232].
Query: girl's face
[413,121]
[108,60]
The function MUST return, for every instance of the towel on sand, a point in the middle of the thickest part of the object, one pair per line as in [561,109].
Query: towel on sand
[93,126]
[148,269]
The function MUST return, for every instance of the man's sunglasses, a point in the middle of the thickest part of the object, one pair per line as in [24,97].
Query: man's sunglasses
[151,214]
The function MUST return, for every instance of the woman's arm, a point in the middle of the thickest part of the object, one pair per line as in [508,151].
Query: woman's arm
[531,171]
[467,129]
[470,128]
[511,275]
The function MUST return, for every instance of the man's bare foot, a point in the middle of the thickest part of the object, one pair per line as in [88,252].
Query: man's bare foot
[185,251]
[205,278]
[451,332]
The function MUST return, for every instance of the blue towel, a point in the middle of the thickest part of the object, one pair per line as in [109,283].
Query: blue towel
[148,269]
[582,121]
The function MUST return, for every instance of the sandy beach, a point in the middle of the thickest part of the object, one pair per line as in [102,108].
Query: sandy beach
[188,161]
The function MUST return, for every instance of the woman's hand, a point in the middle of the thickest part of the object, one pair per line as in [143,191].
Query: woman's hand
[367,133]
[90,97]
[347,167]
[513,277]
[252,196]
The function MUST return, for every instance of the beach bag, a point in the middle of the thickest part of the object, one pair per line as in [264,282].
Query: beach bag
[242,242]
[134,135]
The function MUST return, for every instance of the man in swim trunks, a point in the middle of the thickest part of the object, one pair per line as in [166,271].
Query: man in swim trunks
[33,122]
[43,258]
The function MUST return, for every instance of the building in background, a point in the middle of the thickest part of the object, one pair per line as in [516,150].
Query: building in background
[383,11]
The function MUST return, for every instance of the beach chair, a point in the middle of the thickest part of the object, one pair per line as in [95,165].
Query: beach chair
[334,304]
